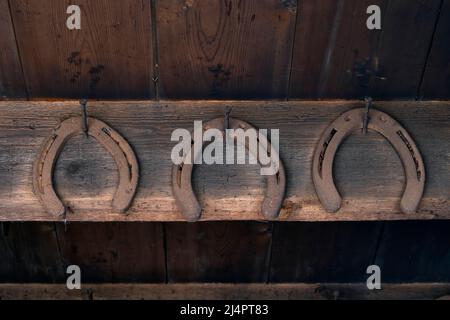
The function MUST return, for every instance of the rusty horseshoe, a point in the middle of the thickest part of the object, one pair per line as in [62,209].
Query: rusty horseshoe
[181,176]
[382,123]
[112,141]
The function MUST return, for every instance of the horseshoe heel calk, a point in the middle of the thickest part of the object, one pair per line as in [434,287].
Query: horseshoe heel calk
[273,200]
[184,194]
[409,206]
[332,201]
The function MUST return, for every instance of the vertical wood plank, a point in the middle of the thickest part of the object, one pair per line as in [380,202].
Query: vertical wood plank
[344,59]
[12,85]
[29,253]
[403,49]
[225,49]
[110,57]
[415,251]
[114,252]
[436,82]
[218,251]
[323,252]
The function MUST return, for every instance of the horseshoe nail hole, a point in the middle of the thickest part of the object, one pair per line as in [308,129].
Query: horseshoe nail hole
[348,118]
[383,119]
[106,131]
[242,126]
[180,169]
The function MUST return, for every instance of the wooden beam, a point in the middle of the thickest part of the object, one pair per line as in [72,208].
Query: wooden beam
[212,291]
[367,171]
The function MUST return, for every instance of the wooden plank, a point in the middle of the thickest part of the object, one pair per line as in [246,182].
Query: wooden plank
[323,252]
[12,85]
[110,57]
[29,253]
[367,171]
[415,251]
[335,54]
[200,291]
[225,49]
[436,82]
[218,251]
[114,252]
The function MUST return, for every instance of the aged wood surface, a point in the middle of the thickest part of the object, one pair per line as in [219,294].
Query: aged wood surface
[218,251]
[337,56]
[30,253]
[114,252]
[323,252]
[414,251]
[436,81]
[111,56]
[12,84]
[367,171]
[225,49]
[217,291]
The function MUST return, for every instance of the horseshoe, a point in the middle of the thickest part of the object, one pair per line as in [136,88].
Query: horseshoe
[382,123]
[112,141]
[182,185]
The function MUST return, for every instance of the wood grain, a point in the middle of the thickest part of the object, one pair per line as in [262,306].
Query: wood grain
[337,56]
[114,252]
[436,82]
[110,57]
[30,253]
[218,251]
[225,49]
[201,291]
[12,85]
[323,252]
[368,173]
[413,251]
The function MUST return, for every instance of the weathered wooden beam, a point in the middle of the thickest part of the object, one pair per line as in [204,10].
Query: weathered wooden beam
[367,170]
[213,291]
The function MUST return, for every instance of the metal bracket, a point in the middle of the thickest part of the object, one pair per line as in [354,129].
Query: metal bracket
[382,123]
[112,141]
[182,185]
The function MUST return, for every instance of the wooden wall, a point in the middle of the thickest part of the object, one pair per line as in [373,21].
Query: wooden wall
[225,251]
[227,49]
[247,49]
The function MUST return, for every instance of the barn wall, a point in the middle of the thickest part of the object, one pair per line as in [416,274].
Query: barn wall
[270,49]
